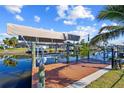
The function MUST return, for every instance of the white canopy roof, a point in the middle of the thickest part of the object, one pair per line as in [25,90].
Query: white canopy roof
[43,35]
[13,29]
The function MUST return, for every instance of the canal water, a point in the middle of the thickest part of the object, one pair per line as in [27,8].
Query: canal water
[15,70]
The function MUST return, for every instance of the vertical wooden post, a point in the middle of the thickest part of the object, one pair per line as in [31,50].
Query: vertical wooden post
[88,46]
[112,63]
[67,58]
[76,57]
[76,53]
[34,68]
[67,52]
[33,55]
[56,48]
[56,58]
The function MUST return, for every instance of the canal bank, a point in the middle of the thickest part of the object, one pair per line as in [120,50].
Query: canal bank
[13,51]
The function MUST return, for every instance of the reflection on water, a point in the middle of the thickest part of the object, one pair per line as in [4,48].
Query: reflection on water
[10,61]
[15,71]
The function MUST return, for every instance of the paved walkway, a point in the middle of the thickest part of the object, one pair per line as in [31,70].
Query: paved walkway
[82,83]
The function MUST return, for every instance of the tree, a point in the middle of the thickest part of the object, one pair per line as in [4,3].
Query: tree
[11,41]
[84,49]
[112,13]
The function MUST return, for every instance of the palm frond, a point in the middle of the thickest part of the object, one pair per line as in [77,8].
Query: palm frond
[109,28]
[113,12]
[115,33]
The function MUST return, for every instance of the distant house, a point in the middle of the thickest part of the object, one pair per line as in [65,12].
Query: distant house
[40,36]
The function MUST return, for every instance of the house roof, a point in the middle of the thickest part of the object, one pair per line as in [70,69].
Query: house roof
[31,33]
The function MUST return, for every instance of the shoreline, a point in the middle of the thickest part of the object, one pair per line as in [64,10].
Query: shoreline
[15,51]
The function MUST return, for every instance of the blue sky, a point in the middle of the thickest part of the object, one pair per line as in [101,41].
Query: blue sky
[79,20]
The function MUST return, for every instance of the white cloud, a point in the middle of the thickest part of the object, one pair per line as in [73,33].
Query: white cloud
[79,32]
[104,24]
[61,11]
[72,13]
[37,19]
[69,22]
[14,8]
[47,8]
[114,24]
[94,24]
[80,12]
[83,31]
[52,30]
[3,36]
[88,29]
[19,18]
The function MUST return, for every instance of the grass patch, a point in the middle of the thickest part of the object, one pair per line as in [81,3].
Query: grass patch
[14,50]
[1,50]
[113,78]
[120,83]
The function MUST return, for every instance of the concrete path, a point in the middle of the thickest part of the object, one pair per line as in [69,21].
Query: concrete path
[82,83]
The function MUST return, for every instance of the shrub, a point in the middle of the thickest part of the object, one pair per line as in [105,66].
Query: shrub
[1,47]
[51,50]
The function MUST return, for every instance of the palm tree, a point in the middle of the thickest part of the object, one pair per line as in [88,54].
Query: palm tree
[112,13]
[13,41]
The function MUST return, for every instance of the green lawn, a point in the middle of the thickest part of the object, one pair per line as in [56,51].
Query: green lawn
[13,50]
[113,78]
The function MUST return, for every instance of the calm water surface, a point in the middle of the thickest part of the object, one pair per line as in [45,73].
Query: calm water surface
[15,71]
